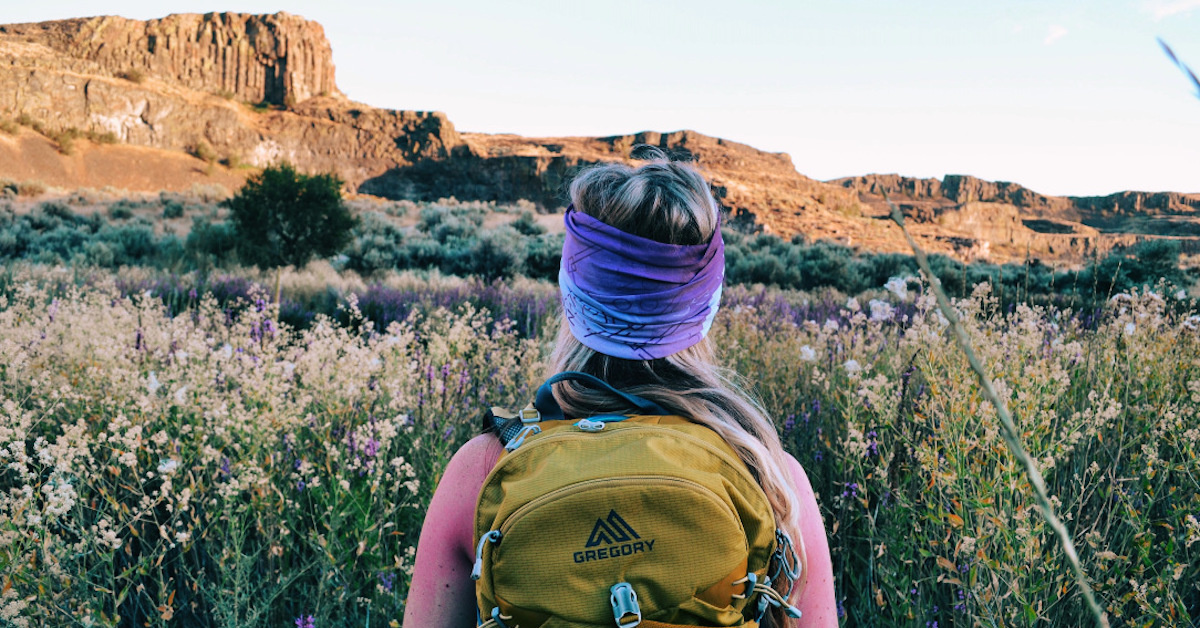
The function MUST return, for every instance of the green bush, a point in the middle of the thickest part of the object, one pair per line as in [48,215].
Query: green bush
[172,209]
[283,217]
[120,210]
[527,225]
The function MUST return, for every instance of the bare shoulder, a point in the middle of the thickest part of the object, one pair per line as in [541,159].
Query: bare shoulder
[472,462]
[799,476]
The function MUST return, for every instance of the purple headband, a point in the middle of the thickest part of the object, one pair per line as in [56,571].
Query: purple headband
[631,297]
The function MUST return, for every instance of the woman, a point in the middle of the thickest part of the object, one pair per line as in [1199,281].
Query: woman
[634,234]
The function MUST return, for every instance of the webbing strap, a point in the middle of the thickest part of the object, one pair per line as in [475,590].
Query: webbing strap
[548,408]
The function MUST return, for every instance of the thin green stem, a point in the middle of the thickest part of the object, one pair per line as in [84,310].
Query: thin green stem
[1009,431]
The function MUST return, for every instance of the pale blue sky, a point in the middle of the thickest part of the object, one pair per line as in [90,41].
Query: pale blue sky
[1065,97]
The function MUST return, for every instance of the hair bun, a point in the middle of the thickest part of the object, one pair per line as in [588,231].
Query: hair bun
[648,152]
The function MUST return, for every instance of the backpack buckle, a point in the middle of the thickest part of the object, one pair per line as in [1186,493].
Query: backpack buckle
[529,414]
[625,607]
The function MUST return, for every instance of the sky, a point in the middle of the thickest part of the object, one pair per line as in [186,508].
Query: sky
[1066,97]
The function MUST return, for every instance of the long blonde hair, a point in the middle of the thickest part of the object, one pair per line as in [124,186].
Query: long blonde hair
[671,202]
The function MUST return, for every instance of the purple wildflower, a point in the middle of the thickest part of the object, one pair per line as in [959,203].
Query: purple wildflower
[388,580]
[306,621]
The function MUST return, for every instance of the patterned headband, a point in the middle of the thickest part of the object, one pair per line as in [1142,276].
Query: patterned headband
[631,297]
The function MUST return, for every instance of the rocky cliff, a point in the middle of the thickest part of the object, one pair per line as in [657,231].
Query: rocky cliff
[245,89]
[278,58]
[1009,216]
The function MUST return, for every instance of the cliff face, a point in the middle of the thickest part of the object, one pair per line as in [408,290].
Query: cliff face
[184,82]
[957,188]
[278,58]
[1008,216]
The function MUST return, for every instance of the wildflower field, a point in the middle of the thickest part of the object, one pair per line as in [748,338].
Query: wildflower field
[176,451]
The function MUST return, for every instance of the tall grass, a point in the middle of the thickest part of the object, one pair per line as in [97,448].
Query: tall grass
[201,465]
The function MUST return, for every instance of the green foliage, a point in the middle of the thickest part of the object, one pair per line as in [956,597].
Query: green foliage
[285,218]
[766,259]
[211,244]
[120,210]
[172,209]
[527,225]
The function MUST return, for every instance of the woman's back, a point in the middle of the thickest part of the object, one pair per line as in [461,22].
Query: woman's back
[641,281]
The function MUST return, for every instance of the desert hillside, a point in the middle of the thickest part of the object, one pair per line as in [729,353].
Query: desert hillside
[166,103]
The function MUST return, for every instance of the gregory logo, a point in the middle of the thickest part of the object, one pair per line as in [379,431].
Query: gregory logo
[614,537]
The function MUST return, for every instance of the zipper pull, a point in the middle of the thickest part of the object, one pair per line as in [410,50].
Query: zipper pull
[519,439]
[588,425]
[494,537]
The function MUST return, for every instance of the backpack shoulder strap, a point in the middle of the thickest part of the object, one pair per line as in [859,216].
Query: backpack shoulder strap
[548,408]
[506,426]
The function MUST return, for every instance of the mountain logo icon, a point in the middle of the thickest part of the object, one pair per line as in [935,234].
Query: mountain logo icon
[611,530]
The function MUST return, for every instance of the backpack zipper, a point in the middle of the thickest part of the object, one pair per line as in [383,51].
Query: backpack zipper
[527,445]
[641,480]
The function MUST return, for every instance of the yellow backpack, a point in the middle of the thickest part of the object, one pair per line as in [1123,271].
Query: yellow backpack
[641,520]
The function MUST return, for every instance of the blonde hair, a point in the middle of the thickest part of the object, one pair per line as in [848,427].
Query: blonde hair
[671,202]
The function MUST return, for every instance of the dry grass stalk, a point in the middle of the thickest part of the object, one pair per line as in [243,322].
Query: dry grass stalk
[1009,429]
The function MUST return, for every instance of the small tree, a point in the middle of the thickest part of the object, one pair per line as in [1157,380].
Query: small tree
[286,218]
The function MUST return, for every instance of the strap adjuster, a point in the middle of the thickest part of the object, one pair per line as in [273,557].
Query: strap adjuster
[529,414]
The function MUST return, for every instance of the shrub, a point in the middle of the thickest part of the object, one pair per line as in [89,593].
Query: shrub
[526,224]
[134,75]
[283,217]
[210,244]
[202,151]
[209,192]
[172,209]
[103,137]
[9,127]
[121,210]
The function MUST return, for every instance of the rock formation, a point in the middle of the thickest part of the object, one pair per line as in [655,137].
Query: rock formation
[248,89]
[277,59]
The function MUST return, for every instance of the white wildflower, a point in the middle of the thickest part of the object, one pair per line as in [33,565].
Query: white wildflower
[168,466]
[807,354]
[881,310]
[898,286]
[831,326]
[180,395]
[1130,328]
[1192,323]
[152,384]
[227,350]
[1181,295]
[344,483]
[853,368]
[852,304]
